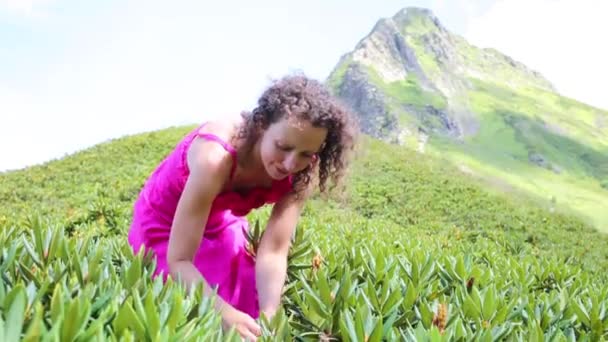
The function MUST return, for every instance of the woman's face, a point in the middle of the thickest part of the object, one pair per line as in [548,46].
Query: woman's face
[289,146]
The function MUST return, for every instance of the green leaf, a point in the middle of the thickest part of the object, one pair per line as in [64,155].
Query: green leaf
[94,329]
[388,325]
[581,312]
[57,238]
[53,334]
[152,317]
[2,327]
[470,308]
[410,295]
[426,314]
[96,265]
[298,252]
[502,333]
[421,333]
[75,261]
[415,273]
[36,328]
[380,267]
[501,315]
[32,253]
[38,241]
[101,301]
[2,292]
[27,274]
[434,334]
[15,304]
[359,326]
[324,290]
[347,286]
[127,336]
[376,335]
[139,307]
[460,331]
[486,335]
[176,311]
[347,327]
[371,294]
[476,297]
[536,333]
[127,318]
[57,304]
[75,317]
[42,291]
[392,302]
[563,300]
[134,272]
[9,259]
[314,301]
[387,284]
[460,269]
[489,304]
[428,270]
[595,313]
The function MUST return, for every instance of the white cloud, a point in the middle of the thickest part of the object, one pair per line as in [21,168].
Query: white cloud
[562,39]
[27,8]
[23,141]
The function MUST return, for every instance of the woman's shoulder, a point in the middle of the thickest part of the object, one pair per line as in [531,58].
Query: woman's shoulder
[211,149]
[224,128]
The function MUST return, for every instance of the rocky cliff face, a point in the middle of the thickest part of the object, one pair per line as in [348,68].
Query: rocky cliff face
[409,78]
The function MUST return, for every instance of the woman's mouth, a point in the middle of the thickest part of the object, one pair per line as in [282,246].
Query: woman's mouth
[282,171]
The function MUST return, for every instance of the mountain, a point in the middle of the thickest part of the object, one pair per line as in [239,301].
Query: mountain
[416,84]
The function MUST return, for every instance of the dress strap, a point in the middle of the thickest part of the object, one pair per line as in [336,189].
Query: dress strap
[225,145]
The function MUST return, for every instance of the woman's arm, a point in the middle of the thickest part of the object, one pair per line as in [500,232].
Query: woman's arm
[271,257]
[209,164]
[210,167]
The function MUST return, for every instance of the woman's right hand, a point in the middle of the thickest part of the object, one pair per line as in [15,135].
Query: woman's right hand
[244,324]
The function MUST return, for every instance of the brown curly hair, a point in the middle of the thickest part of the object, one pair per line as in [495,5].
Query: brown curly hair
[308,99]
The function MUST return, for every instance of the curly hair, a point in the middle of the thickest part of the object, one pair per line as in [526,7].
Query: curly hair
[305,98]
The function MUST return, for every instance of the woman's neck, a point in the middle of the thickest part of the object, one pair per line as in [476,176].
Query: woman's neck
[250,169]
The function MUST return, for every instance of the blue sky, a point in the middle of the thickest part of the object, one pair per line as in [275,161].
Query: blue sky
[76,73]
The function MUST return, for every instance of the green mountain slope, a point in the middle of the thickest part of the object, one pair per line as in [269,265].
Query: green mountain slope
[416,84]
[410,238]
[388,183]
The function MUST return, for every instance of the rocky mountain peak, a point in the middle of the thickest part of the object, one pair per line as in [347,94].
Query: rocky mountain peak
[410,75]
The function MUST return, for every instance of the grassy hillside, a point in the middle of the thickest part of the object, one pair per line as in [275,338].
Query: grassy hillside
[553,148]
[413,249]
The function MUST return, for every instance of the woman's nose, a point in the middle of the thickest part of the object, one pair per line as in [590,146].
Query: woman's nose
[291,163]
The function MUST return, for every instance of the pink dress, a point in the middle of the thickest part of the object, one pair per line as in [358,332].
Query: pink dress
[222,257]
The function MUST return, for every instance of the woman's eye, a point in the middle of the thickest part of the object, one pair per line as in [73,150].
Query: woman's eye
[283,148]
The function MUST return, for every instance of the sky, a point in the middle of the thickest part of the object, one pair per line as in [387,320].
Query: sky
[77,73]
